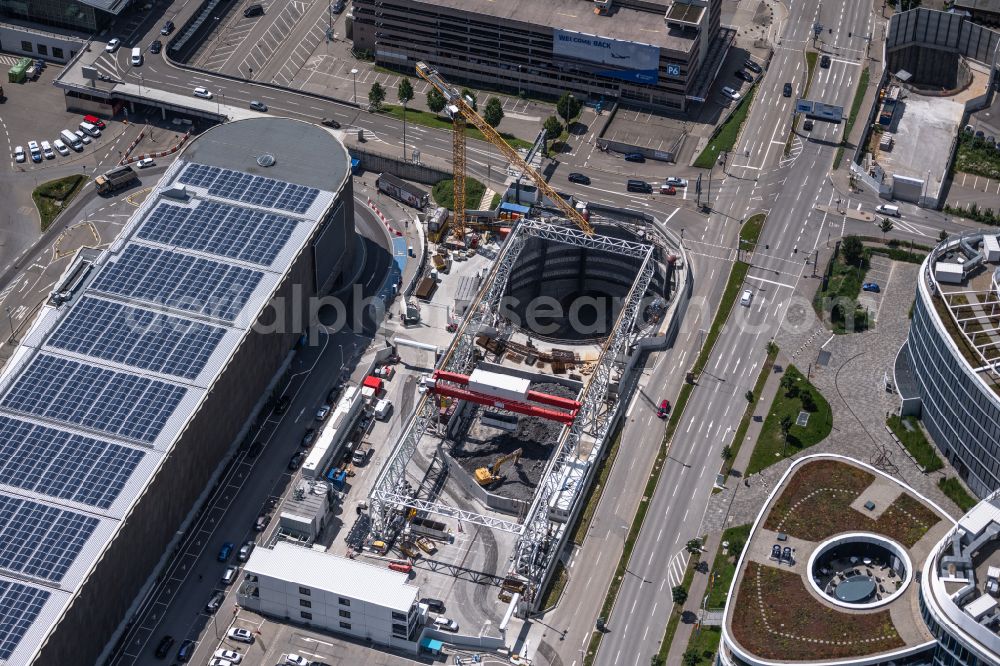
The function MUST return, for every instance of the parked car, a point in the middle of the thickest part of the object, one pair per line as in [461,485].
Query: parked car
[60,147]
[231,655]
[787,90]
[245,551]
[167,28]
[663,411]
[47,151]
[226,551]
[156,46]
[871,286]
[445,624]
[185,651]
[163,647]
[202,92]
[322,413]
[578,178]
[746,297]
[338,6]
[334,393]
[634,157]
[730,93]
[240,634]
[229,575]
[36,152]
[215,661]
[753,66]
[253,10]
[258,106]
[742,75]
[84,137]
[309,437]
[261,523]
[145,162]
[293,659]
[19,155]
[296,460]
[434,605]
[675,181]
[667,189]
[824,62]
[330,122]
[113,45]
[95,121]
[215,601]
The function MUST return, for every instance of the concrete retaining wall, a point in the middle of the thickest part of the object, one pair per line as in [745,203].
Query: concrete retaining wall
[377,162]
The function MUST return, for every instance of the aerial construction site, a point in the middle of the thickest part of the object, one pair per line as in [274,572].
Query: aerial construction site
[488,474]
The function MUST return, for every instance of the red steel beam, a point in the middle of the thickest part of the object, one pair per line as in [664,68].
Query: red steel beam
[509,405]
[533,396]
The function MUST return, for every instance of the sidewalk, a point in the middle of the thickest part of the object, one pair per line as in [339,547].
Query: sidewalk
[737,489]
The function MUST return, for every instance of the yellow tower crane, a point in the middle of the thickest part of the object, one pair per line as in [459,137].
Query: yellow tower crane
[462,112]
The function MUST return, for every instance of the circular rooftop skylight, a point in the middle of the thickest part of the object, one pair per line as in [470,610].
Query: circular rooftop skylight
[266,160]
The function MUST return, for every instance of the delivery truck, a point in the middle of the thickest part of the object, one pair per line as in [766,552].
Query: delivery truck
[400,190]
[114,179]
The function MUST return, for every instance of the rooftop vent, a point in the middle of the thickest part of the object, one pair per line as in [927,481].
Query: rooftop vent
[266,160]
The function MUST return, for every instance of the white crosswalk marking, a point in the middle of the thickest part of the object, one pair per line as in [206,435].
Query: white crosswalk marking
[677,567]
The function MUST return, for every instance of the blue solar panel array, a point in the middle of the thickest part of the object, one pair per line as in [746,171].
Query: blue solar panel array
[137,337]
[116,402]
[19,606]
[255,190]
[240,233]
[40,540]
[179,281]
[62,464]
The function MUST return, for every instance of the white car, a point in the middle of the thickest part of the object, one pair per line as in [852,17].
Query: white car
[240,634]
[215,661]
[675,181]
[61,147]
[83,136]
[746,297]
[230,655]
[322,412]
[730,93]
[47,151]
[444,624]
[145,162]
[296,660]
[113,45]
[36,152]
[19,154]
[202,92]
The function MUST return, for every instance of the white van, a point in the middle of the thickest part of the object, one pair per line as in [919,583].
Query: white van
[888,209]
[71,140]
[136,56]
[90,129]
[382,409]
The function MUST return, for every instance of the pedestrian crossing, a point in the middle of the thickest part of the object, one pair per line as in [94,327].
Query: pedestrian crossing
[9,59]
[677,567]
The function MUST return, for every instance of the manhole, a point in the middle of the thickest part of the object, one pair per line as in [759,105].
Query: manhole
[266,160]
[802,419]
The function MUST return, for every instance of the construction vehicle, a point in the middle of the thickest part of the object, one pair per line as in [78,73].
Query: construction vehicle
[512,585]
[485,477]
[408,549]
[114,179]
[426,545]
[462,111]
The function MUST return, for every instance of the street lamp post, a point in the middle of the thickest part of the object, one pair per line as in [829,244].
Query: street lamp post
[354,75]
[10,320]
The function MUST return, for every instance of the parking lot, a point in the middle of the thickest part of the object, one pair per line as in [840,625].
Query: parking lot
[879,272]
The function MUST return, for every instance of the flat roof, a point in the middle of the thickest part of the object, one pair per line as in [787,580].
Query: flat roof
[377,585]
[624,23]
[102,385]
[784,610]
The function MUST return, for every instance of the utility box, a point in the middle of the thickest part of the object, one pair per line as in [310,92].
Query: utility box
[991,248]
[949,273]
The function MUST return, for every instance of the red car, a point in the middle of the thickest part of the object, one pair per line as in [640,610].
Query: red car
[95,121]
[664,409]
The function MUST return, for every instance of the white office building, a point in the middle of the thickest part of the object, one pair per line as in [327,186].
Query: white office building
[332,593]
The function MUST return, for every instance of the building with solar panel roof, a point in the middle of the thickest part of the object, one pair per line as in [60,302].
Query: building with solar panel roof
[138,378]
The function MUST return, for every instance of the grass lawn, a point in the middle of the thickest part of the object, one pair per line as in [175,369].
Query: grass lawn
[838,302]
[428,119]
[816,504]
[724,566]
[675,615]
[556,586]
[497,198]
[976,157]
[777,618]
[444,193]
[955,491]
[51,198]
[729,294]
[726,137]
[916,443]
[859,96]
[771,446]
[704,643]
[758,388]
[750,231]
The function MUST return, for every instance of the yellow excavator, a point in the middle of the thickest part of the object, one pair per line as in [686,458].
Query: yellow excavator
[486,477]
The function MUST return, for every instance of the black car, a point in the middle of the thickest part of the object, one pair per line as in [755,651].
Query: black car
[337,6]
[156,46]
[807,125]
[578,178]
[787,90]
[753,66]
[740,74]
[433,605]
[330,122]
[309,437]
[334,393]
[296,460]
[824,62]
[215,602]
[167,28]
[261,523]
[185,651]
[163,647]
[635,157]
[258,106]
[253,10]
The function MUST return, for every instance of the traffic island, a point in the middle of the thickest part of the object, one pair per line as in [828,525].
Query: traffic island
[53,197]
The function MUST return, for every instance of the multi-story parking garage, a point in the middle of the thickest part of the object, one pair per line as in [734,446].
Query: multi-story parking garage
[655,53]
[139,375]
[947,370]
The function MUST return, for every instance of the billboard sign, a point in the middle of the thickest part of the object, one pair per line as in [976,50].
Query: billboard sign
[608,57]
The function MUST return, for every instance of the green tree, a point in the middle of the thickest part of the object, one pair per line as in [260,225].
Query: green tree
[789,384]
[853,250]
[808,401]
[727,452]
[568,107]
[469,94]
[690,658]
[435,100]
[493,112]
[749,396]
[679,594]
[693,546]
[657,660]
[376,95]
[886,226]
[553,128]
[786,426]
[943,236]
[405,93]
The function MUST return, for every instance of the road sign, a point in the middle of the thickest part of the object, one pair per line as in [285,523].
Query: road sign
[819,111]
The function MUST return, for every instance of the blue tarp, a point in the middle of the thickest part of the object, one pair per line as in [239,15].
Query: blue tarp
[515,208]
[431,644]
[355,166]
